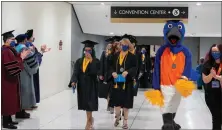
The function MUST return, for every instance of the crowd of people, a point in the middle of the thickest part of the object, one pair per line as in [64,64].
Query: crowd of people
[20,76]
[116,76]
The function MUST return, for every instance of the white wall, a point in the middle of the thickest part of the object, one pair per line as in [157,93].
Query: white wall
[51,22]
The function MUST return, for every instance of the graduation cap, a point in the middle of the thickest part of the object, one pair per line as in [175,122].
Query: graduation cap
[21,38]
[113,39]
[130,37]
[89,43]
[7,35]
[29,33]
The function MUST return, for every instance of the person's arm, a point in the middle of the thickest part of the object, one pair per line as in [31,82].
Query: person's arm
[12,63]
[31,65]
[207,76]
[74,78]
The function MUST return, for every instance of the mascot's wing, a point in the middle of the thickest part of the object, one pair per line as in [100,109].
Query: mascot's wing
[186,87]
[156,73]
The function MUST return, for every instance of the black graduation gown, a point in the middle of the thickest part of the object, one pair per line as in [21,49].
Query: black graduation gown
[119,96]
[104,89]
[145,68]
[87,85]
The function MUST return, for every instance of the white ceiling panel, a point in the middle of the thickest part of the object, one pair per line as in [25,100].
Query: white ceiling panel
[94,18]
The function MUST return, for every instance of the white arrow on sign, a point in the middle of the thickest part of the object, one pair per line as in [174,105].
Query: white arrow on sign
[115,12]
[183,12]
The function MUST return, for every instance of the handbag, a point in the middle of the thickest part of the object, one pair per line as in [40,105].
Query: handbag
[120,79]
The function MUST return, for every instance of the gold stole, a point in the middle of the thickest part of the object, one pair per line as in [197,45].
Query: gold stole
[121,59]
[85,64]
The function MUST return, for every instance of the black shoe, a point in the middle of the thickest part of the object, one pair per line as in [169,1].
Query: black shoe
[14,123]
[168,122]
[10,126]
[177,126]
[22,115]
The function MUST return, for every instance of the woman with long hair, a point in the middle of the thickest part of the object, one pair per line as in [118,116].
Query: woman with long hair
[123,70]
[104,84]
[85,79]
[211,75]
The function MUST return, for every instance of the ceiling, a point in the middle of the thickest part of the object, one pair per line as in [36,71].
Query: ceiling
[94,17]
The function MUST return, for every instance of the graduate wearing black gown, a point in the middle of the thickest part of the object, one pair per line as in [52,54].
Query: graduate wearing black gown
[144,69]
[123,63]
[84,78]
[105,83]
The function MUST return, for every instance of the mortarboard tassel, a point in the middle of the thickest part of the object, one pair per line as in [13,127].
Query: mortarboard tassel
[124,86]
[115,86]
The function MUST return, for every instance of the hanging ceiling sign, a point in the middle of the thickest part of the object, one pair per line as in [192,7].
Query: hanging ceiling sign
[148,14]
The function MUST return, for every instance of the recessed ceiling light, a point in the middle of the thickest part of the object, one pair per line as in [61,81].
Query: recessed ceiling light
[198,4]
[102,4]
[111,33]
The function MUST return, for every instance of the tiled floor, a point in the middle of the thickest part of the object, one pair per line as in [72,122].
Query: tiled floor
[60,112]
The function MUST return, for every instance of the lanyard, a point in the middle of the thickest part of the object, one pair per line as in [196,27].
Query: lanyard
[219,70]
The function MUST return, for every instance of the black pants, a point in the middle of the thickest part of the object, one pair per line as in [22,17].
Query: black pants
[7,120]
[213,102]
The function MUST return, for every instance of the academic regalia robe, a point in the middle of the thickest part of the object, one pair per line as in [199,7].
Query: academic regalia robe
[121,96]
[144,69]
[10,93]
[104,89]
[27,86]
[36,81]
[87,84]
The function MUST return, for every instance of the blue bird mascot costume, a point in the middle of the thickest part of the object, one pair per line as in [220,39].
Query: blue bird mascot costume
[172,74]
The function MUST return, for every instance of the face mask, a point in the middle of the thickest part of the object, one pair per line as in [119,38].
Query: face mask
[88,51]
[33,39]
[28,44]
[216,55]
[125,47]
[12,44]
[143,51]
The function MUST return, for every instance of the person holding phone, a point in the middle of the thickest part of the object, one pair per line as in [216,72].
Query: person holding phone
[84,78]
[211,75]
[123,69]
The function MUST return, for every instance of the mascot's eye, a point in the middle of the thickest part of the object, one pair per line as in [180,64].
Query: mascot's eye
[170,25]
[180,26]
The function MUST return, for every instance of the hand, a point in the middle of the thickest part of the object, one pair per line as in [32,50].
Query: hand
[114,74]
[213,72]
[124,74]
[218,77]
[88,55]
[25,53]
[73,84]
[101,77]
[43,47]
